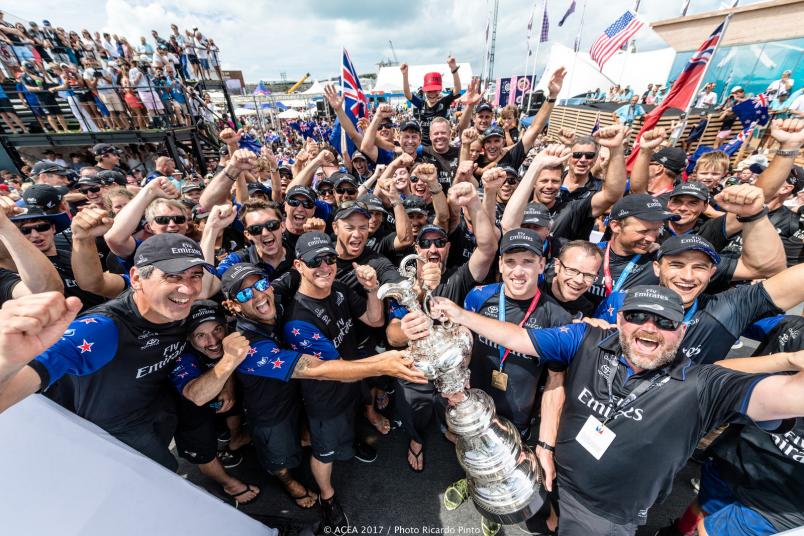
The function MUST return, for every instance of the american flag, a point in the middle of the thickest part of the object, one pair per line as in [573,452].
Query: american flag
[354,98]
[543,38]
[614,37]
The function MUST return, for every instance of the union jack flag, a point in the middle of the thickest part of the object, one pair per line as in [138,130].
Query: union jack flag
[354,98]
[614,37]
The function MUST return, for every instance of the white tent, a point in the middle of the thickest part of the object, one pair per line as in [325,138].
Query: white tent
[316,89]
[245,111]
[389,79]
[289,114]
[636,70]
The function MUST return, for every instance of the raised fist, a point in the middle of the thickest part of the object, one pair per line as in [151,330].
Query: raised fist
[221,216]
[612,136]
[230,138]
[493,179]
[552,155]
[366,276]
[469,135]
[427,173]
[244,160]
[566,136]
[91,223]
[788,132]
[464,194]
[8,208]
[236,346]
[404,68]
[162,187]
[385,111]
[404,160]
[652,138]
[741,199]
[314,224]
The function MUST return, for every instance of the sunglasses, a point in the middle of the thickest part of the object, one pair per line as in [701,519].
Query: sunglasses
[325,191]
[39,228]
[306,203]
[512,180]
[90,190]
[165,220]
[257,228]
[348,191]
[247,294]
[425,243]
[414,179]
[588,155]
[386,126]
[328,259]
[639,318]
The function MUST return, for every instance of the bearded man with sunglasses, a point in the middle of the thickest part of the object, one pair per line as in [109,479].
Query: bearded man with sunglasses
[633,407]
[578,180]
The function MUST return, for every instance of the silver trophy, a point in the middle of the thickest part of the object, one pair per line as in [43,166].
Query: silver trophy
[504,478]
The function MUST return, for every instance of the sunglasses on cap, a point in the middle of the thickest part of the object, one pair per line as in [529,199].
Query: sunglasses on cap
[39,228]
[348,191]
[425,243]
[257,228]
[306,203]
[350,204]
[640,317]
[316,262]
[247,294]
[89,190]
[589,155]
[165,220]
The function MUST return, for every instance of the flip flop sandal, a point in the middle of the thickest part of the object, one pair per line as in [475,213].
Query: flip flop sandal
[302,497]
[418,457]
[247,490]
[456,494]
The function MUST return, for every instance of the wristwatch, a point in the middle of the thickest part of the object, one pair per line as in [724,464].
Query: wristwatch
[552,99]
[395,203]
[545,446]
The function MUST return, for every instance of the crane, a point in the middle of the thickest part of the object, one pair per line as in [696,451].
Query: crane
[393,52]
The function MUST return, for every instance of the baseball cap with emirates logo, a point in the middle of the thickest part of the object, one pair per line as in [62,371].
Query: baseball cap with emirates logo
[172,253]
[642,206]
[654,299]
[522,239]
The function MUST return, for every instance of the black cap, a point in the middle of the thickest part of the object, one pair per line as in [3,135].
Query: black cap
[49,167]
[110,176]
[492,132]
[796,178]
[253,187]
[286,170]
[303,191]
[314,244]
[100,149]
[537,214]
[204,311]
[43,196]
[694,188]
[232,279]
[414,203]
[510,172]
[642,206]
[340,177]
[358,154]
[680,243]
[347,208]
[88,181]
[673,158]
[373,203]
[61,220]
[522,239]
[410,124]
[172,253]
[430,229]
[654,299]
[484,107]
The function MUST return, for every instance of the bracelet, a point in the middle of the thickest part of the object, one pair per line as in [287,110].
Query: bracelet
[758,216]
[274,170]
[233,179]
[552,99]
[455,70]
[545,446]
[395,203]
[789,153]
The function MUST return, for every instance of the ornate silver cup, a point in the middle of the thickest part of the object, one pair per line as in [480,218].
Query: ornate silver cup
[503,476]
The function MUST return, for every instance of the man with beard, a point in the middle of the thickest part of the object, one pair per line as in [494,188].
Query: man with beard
[126,392]
[624,385]
[578,180]
[441,154]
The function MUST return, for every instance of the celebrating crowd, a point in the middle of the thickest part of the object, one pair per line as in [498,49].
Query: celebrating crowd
[108,83]
[604,304]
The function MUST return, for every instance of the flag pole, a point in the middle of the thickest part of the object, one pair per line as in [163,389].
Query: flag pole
[577,44]
[536,57]
[530,34]
[680,131]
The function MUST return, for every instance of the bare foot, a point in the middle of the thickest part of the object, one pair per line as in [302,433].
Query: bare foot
[377,420]
[304,497]
[242,493]
[416,456]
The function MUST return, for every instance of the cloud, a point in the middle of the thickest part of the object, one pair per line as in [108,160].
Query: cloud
[267,38]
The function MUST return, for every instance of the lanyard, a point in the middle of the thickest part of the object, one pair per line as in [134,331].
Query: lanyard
[501,318]
[689,314]
[655,381]
[607,280]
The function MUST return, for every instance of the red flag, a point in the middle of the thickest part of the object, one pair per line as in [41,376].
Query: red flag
[683,88]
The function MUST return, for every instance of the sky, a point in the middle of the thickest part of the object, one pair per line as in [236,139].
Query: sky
[266,38]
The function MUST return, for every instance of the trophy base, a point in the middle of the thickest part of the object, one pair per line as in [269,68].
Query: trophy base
[538,505]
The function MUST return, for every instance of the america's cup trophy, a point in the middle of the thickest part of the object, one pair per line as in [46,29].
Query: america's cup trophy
[504,479]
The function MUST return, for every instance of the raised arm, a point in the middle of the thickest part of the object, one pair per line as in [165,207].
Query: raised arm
[778,397]
[220,217]
[336,102]
[768,364]
[553,89]
[470,99]
[465,195]
[456,78]
[367,277]
[305,176]
[515,208]
[219,189]
[613,189]
[87,226]
[405,82]
[790,135]
[35,270]
[391,363]
[640,173]
[119,237]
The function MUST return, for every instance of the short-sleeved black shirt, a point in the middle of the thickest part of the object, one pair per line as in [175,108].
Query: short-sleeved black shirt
[446,163]
[8,280]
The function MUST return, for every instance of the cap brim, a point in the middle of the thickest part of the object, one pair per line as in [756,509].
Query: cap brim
[529,247]
[659,215]
[691,194]
[711,253]
[415,209]
[375,208]
[655,308]
[325,250]
[179,265]
[61,220]
[536,221]
[433,87]
[341,214]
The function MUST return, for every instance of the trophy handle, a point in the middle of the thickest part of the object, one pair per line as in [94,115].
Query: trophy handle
[428,297]
[409,272]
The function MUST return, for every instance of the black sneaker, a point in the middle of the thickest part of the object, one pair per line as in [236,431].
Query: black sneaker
[364,453]
[224,437]
[229,459]
[334,516]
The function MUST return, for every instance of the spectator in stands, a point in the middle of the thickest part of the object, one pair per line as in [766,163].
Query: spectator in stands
[707,98]
[783,85]
[631,112]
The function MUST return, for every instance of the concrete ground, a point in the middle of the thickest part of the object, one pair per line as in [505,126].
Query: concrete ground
[387,497]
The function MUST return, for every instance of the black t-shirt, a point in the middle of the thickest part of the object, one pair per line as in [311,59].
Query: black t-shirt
[641,274]
[382,244]
[524,372]
[713,230]
[118,362]
[456,285]
[61,260]
[462,245]
[593,185]
[574,220]
[8,280]
[654,435]
[446,164]
[425,113]
[787,223]
[327,329]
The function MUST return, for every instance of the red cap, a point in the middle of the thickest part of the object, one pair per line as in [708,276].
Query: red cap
[432,82]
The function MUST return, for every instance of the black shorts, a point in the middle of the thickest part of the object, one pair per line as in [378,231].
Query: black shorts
[332,438]
[193,59]
[85,96]
[196,436]
[278,444]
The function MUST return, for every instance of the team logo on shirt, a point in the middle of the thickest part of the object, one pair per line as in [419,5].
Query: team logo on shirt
[69,333]
[86,346]
[791,445]
[149,343]
[251,351]
[690,353]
